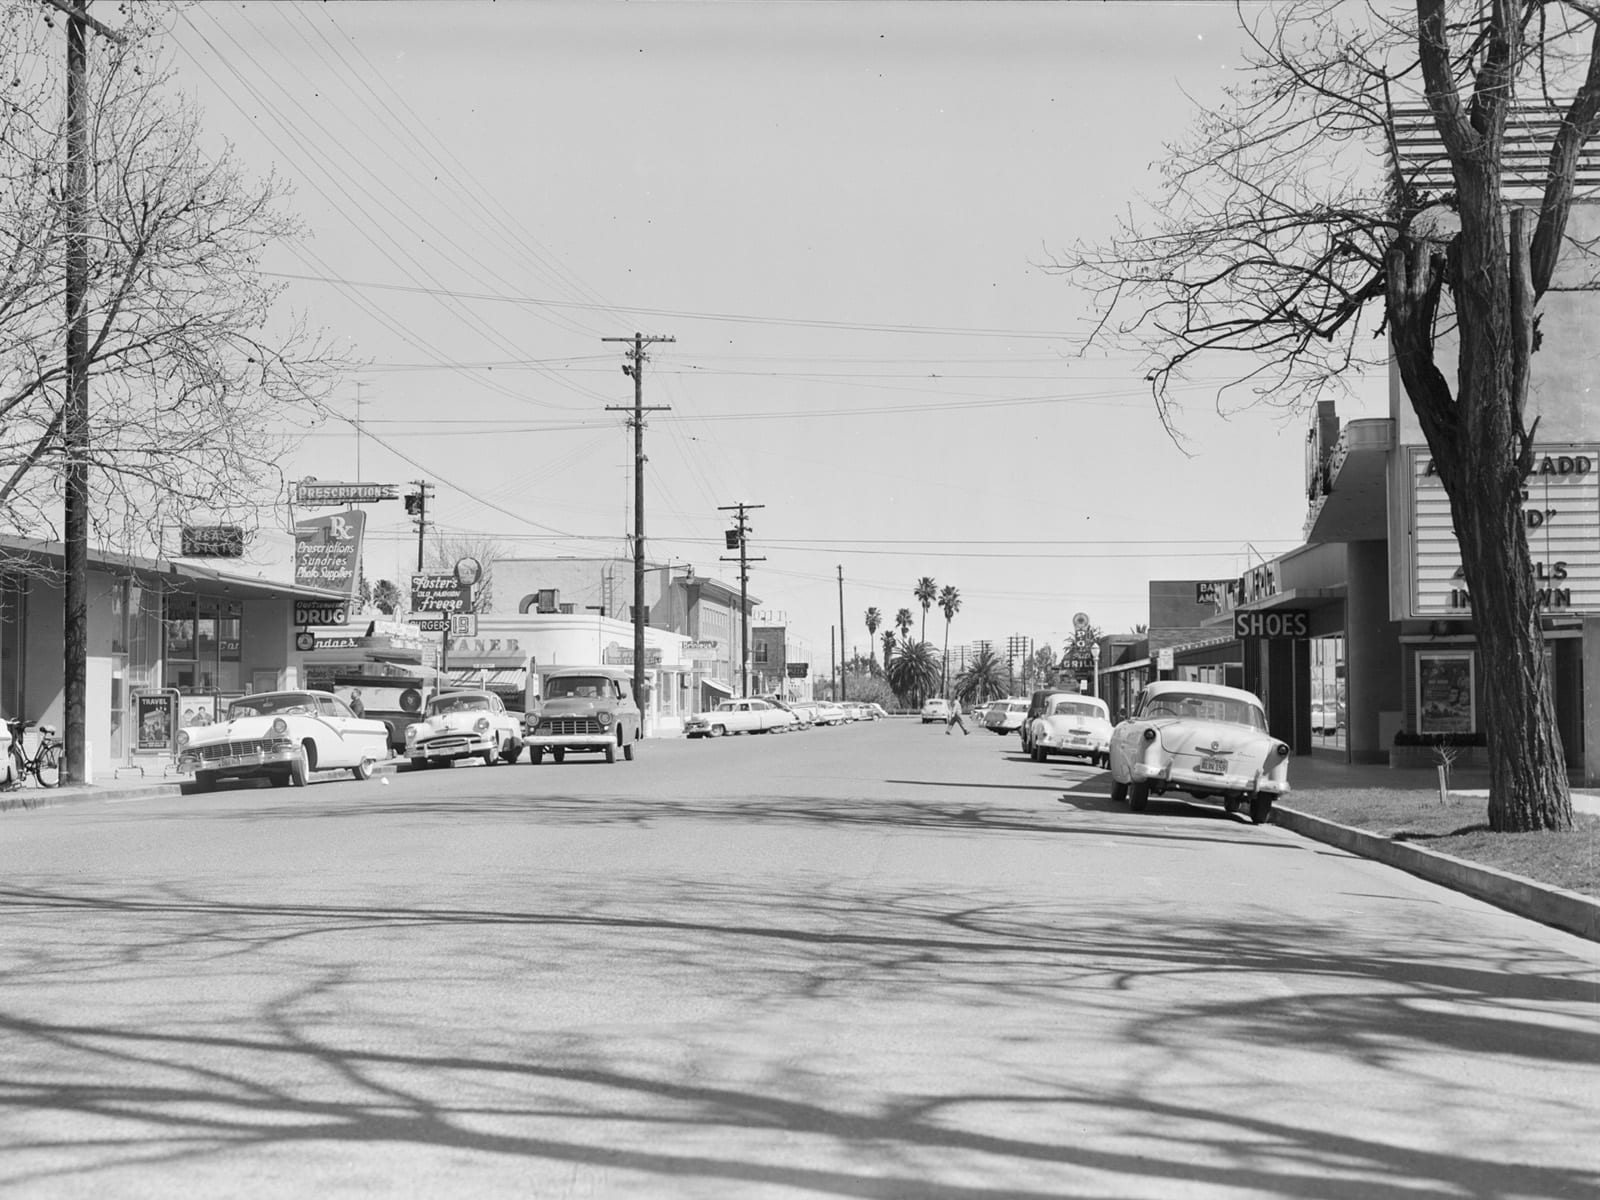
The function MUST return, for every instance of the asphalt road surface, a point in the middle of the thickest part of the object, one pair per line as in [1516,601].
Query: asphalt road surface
[871,961]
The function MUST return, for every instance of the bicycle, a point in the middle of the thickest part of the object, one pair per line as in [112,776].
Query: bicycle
[44,766]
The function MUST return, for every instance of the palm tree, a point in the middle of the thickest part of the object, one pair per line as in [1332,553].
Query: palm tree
[984,678]
[874,619]
[926,592]
[913,672]
[903,620]
[949,604]
[888,648]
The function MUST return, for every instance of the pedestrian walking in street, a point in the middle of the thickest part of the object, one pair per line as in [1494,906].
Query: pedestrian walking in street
[955,719]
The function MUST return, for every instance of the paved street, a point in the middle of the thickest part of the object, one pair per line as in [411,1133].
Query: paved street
[872,961]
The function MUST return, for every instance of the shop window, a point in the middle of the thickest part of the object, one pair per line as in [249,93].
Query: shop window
[203,641]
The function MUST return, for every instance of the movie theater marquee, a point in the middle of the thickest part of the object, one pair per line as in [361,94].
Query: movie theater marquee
[1561,512]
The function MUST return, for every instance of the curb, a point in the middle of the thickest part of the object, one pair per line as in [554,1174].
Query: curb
[1558,907]
[36,798]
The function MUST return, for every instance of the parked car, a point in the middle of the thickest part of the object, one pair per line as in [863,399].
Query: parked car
[1006,716]
[738,716]
[283,736]
[587,709]
[1038,702]
[804,714]
[829,713]
[1076,726]
[876,711]
[1201,738]
[462,725]
[937,709]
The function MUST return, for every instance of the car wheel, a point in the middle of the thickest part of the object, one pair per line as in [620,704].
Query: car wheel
[511,751]
[1260,808]
[1139,794]
[1119,792]
[627,751]
[611,752]
[559,754]
[1231,804]
[536,755]
[364,769]
[490,756]
[205,781]
[299,772]
[718,730]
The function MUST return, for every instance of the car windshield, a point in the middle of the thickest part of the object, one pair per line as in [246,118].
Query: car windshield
[578,687]
[1075,708]
[449,704]
[273,704]
[1200,706]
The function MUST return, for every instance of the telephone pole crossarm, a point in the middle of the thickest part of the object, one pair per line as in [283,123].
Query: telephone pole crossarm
[634,367]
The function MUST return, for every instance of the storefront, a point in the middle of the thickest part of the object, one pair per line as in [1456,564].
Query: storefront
[169,644]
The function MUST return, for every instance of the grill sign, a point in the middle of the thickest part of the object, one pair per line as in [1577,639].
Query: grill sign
[1279,624]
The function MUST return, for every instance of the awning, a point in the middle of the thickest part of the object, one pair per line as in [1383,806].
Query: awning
[718,685]
[501,680]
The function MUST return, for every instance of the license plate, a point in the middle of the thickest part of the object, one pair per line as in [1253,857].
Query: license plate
[1213,766]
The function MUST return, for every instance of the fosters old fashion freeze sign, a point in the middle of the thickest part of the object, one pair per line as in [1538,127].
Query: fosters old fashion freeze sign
[1560,511]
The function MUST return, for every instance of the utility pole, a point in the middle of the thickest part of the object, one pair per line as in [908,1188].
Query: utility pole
[417,509]
[75,411]
[635,367]
[842,638]
[738,537]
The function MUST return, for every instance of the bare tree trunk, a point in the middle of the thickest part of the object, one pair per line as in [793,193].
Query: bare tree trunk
[1483,455]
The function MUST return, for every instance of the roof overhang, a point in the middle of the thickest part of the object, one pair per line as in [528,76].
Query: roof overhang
[718,685]
[1352,500]
[158,573]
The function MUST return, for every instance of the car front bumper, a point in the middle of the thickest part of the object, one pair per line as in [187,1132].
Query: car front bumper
[451,746]
[237,758]
[572,741]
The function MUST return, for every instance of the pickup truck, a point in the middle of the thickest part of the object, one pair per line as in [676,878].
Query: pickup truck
[738,716]
[583,709]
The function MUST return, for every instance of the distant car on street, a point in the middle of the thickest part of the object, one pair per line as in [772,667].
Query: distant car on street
[749,715]
[1075,726]
[1038,702]
[1201,738]
[1005,716]
[937,709]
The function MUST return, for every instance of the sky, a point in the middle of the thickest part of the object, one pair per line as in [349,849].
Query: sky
[843,216]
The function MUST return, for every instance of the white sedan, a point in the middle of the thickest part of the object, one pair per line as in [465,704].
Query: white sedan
[468,724]
[1201,738]
[1079,726]
[738,716]
[283,736]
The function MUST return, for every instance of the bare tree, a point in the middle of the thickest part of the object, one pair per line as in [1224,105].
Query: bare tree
[445,551]
[198,389]
[1292,231]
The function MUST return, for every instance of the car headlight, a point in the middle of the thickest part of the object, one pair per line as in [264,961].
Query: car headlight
[183,738]
[481,725]
[605,718]
[411,733]
[279,727]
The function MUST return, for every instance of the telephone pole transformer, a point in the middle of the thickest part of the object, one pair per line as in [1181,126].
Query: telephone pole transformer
[635,367]
[738,538]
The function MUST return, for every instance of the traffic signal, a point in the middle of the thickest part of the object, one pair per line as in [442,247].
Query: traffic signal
[732,538]
[413,504]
